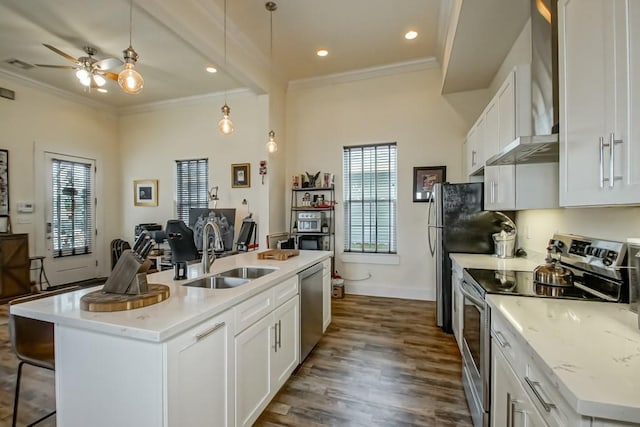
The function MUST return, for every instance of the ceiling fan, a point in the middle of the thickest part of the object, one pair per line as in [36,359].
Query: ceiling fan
[91,72]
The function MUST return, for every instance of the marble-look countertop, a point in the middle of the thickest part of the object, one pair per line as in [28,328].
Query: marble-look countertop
[528,263]
[186,307]
[589,350]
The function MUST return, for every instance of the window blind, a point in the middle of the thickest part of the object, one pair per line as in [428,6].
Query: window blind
[370,198]
[72,211]
[192,184]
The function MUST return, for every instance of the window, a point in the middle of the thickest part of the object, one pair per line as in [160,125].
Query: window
[71,206]
[192,184]
[370,198]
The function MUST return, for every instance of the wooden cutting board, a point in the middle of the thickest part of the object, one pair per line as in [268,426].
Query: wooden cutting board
[279,254]
[104,301]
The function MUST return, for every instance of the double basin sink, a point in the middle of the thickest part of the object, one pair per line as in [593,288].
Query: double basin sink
[231,278]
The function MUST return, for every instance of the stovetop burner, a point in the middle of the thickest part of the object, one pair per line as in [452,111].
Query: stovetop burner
[521,283]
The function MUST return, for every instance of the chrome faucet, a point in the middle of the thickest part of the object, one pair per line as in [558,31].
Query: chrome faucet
[217,245]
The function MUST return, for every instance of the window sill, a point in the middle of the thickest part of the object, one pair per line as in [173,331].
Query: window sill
[361,258]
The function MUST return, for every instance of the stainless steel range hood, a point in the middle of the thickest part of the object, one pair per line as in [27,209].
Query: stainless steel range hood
[542,146]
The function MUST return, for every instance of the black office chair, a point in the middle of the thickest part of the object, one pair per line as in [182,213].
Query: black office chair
[180,238]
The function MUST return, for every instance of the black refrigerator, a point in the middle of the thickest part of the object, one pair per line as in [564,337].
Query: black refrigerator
[457,223]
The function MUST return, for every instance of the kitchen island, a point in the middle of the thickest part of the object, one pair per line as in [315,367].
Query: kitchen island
[181,361]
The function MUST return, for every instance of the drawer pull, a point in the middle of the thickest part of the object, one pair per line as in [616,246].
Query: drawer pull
[532,384]
[502,340]
[208,332]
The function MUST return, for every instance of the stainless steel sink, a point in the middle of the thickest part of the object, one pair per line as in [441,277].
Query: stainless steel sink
[218,282]
[247,272]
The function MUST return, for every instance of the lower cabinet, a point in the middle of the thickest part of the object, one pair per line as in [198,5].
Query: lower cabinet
[200,379]
[266,354]
[511,406]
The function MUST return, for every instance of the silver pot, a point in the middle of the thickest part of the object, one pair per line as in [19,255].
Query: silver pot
[552,274]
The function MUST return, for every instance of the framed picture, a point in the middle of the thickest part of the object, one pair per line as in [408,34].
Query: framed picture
[423,179]
[4,183]
[240,175]
[145,192]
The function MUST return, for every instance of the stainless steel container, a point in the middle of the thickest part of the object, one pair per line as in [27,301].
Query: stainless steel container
[633,262]
[504,244]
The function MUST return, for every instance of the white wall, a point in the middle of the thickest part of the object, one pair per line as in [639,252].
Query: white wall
[154,139]
[406,108]
[58,124]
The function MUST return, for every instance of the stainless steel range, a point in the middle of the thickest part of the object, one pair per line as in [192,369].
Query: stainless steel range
[594,268]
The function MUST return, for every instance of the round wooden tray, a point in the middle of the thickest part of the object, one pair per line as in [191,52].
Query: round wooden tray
[103,301]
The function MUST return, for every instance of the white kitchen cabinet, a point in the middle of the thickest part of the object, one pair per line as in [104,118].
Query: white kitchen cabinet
[268,350]
[475,159]
[326,294]
[599,70]
[200,383]
[511,406]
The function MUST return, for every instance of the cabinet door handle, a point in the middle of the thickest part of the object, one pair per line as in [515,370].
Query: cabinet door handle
[511,408]
[612,143]
[209,331]
[532,384]
[280,333]
[601,160]
[502,340]
[275,337]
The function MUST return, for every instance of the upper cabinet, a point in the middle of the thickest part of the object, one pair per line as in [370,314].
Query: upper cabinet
[475,137]
[599,65]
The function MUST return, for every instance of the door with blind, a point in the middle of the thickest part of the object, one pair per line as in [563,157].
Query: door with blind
[70,219]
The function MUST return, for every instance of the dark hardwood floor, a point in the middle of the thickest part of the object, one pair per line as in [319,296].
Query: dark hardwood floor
[383,362]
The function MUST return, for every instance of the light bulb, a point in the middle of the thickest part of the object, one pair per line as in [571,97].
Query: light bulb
[225,124]
[85,81]
[130,80]
[100,81]
[82,74]
[272,146]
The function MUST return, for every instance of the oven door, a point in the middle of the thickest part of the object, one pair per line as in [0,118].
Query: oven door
[475,354]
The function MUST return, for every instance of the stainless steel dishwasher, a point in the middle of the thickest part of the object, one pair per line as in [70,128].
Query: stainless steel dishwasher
[310,309]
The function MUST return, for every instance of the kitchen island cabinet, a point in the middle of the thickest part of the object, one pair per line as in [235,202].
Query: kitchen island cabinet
[599,79]
[143,367]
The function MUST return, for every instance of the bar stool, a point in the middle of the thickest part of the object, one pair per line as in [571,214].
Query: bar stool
[38,260]
[33,343]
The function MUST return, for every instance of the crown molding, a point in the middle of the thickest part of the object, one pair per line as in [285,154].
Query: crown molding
[51,90]
[181,102]
[365,73]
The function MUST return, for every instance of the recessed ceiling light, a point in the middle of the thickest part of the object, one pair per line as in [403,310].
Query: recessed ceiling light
[211,69]
[410,35]
[322,52]
[102,90]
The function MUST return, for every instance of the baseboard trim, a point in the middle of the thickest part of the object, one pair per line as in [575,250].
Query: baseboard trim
[387,291]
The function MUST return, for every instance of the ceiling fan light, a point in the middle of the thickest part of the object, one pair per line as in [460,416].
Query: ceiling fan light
[82,74]
[130,80]
[272,146]
[100,81]
[86,81]
[225,125]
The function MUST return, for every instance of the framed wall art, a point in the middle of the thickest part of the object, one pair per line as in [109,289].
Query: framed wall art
[241,175]
[423,179]
[145,192]
[4,183]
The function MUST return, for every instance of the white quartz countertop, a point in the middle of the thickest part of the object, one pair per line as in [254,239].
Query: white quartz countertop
[590,350]
[186,306]
[528,263]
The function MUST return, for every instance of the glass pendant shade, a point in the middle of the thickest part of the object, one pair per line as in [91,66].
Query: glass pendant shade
[225,124]
[272,146]
[130,80]
[82,74]
[99,80]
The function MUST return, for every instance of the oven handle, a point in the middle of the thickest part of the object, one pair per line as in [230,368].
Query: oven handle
[474,298]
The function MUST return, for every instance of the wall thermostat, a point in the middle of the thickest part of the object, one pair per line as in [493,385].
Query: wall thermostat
[25,207]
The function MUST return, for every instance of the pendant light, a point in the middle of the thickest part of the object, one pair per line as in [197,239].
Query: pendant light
[272,146]
[129,79]
[225,124]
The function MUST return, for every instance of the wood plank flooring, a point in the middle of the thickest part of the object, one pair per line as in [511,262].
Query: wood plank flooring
[382,362]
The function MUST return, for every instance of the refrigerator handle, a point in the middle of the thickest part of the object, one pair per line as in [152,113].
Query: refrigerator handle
[430,225]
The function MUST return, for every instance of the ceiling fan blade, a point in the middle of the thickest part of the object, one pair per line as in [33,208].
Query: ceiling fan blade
[66,67]
[108,63]
[109,75]
[61,53]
